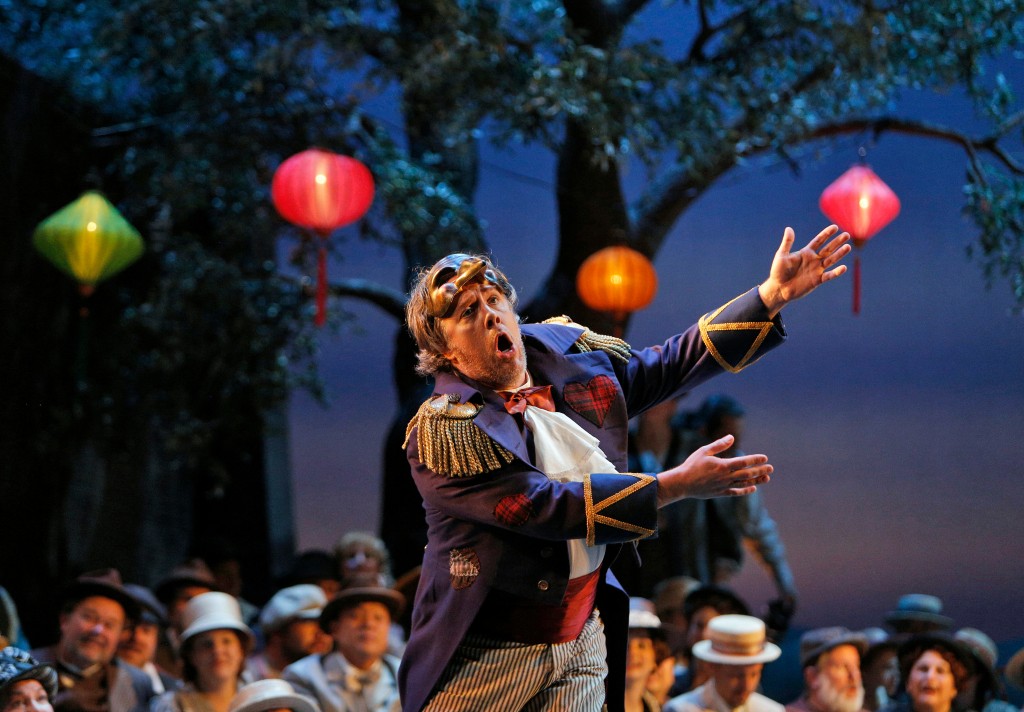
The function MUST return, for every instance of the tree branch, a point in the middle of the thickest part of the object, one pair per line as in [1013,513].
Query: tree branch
[985,144]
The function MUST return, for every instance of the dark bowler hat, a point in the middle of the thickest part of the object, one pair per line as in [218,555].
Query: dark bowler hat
[348,597]
[150,609]
[194,572]
[919,608]
[105,583]
[814,643]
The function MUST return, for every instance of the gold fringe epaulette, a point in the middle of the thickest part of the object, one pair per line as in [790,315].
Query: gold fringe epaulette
[592,341]
[450,443]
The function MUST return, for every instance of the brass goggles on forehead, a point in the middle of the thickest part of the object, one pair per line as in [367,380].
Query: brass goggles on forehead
[443,289]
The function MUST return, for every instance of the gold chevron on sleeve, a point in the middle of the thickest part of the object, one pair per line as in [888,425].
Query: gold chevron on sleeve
[593,518]
[759,330]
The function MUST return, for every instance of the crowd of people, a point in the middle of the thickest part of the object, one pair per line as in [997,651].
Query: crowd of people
[521,458]
[334,641]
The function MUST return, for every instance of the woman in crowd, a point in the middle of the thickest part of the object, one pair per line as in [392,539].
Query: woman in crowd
[214,646]
[933,668]
[25,684]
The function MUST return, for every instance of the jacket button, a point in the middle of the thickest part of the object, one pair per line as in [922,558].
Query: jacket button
[543,585]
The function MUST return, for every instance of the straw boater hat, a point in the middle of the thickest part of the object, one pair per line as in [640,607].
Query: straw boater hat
[736,640]
[270,694]
[214,611]
[17,665]
[348,597]
[815,643]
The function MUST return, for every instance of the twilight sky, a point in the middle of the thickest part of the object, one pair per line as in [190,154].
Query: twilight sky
[897,435]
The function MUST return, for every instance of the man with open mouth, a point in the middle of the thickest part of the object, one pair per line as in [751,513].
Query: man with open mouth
[520,457]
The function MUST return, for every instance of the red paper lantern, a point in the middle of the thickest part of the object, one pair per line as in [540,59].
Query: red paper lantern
[862,204]
[321,191]
[617,279]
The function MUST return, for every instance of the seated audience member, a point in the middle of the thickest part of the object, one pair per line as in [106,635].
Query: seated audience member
[174,591]
[830,659]
[701,606]
[271,695]
[933,667]
[918,613]
[26,685]
[359,674]
[139,642]
[214,645]
[95,610]
[315,566]
[669,600]
[735,651]
[879,669]
[983,690]
[641,659]
[363,557]
[290,623]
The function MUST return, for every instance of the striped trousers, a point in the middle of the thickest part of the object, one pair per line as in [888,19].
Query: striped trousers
[492,675]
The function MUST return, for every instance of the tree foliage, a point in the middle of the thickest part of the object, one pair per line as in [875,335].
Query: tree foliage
[205,98]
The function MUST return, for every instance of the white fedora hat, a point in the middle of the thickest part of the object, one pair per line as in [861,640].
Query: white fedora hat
[736,640]
[270,694]
[213,611]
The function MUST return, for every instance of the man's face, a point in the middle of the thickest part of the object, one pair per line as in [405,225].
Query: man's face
[834,682]
[301,638]
[361,632]
[735,683]
[483,338]
[90,632]
[698,628]
[138,643]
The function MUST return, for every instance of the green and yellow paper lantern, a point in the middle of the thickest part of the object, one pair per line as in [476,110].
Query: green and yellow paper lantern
[89,240]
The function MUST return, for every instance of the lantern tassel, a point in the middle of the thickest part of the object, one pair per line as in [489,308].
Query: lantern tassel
[321,287]
[856,283]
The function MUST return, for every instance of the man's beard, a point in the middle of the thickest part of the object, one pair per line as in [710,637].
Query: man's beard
[829,698]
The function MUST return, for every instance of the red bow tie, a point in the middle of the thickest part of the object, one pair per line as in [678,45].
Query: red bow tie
[539,396]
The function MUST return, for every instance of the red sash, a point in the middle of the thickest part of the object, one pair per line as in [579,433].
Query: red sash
[507,617]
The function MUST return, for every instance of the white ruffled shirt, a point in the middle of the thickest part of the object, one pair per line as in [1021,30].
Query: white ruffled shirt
[565,452]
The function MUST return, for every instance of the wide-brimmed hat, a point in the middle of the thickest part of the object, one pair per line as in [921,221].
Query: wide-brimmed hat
[912,648]
[348,597]
[302,601]
[1014,670]
[150,609]
[736,640]
[270,694]
[920,608]
[194,572]
[105,583]
[213,610]
[643,617]
[17,665]
[815,642]
[984,651]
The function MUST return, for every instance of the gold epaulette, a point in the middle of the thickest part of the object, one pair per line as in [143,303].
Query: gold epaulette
[591,341]
[450,443]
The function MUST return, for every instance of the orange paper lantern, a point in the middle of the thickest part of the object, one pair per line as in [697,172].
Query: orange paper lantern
[862,204]
[617,279]
[322,191]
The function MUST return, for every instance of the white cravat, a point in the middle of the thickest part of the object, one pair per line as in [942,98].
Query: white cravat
[566,452]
